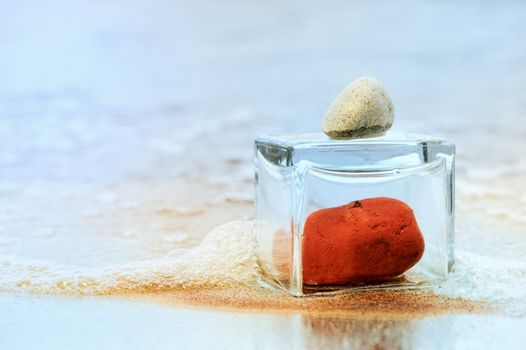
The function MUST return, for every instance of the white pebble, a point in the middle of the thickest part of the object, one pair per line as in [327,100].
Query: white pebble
[362,109]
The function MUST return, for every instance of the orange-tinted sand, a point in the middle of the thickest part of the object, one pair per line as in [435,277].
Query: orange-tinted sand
[385,304]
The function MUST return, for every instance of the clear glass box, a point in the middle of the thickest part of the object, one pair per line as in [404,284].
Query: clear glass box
[297,175]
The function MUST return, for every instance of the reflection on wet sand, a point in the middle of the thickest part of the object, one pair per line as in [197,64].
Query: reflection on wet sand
[108,322]
[369,320]
[357,333]
[365,320]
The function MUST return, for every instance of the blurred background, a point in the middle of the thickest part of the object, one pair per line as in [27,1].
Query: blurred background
[170,75]
[74,72]
[133,119]
[106,93]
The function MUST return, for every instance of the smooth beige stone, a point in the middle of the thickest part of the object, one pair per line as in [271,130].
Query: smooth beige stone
[362,109]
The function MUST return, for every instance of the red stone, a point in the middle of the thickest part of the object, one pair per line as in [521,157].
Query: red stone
[369,240]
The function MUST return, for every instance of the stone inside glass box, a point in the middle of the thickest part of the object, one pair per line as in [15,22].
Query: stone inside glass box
[297,176]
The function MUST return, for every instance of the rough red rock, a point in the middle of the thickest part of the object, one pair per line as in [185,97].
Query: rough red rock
[369,240]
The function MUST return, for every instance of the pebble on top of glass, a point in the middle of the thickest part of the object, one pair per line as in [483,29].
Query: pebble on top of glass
[357,208]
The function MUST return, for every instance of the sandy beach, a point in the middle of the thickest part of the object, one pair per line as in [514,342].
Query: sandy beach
[127,177]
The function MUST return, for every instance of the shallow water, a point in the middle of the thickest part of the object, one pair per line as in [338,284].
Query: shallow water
[88,322]
[126,136]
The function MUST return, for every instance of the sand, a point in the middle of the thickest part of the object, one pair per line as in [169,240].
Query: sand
[373,304]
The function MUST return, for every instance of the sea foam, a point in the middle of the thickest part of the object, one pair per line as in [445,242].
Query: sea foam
[226,256]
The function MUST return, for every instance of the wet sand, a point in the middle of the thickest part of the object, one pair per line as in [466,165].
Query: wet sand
[359,305]
[114,322]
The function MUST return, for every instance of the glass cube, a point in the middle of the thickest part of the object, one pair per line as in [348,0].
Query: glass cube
[298,175]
